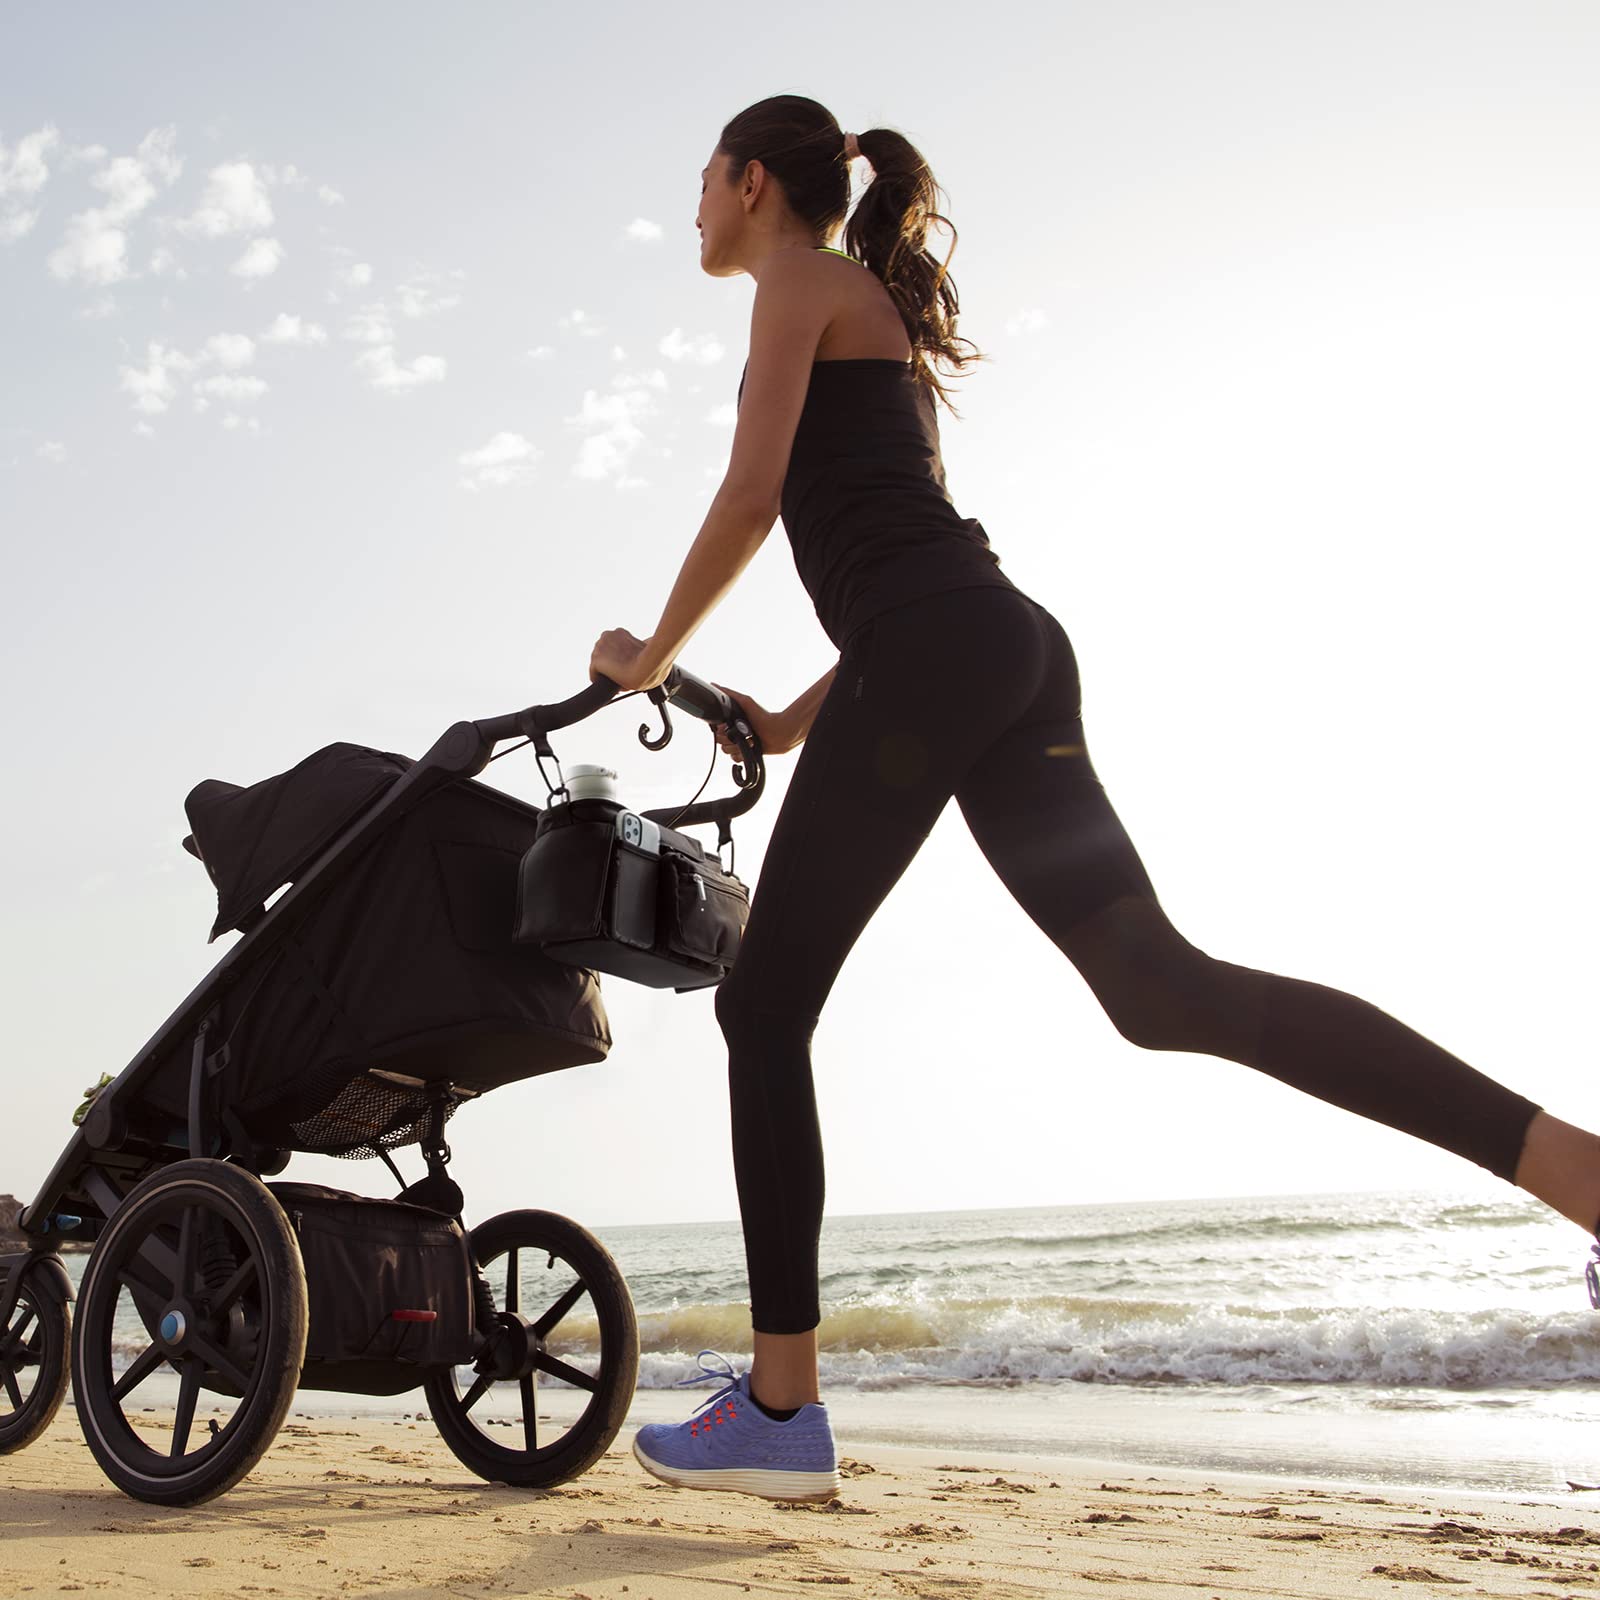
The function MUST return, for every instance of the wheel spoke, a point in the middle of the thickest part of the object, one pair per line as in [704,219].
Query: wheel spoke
[136,1286]
[530,1435]
[217,1361]
[19,1332]
[183,1420]
[541,1329]
[559,1369]
[12,1391]
[478,1390]
[513,1281]
[156,1253]
[235,1286]
[186,1251]
[138,1370]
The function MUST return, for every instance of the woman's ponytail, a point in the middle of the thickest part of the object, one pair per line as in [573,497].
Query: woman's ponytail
[801,144]
[888,232]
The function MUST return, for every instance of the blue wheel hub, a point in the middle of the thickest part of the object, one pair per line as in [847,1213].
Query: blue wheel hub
[173,1327]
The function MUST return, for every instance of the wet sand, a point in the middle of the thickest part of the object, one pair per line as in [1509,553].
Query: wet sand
[379,1507]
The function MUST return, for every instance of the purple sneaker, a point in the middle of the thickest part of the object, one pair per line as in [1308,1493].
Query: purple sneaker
[731,1443]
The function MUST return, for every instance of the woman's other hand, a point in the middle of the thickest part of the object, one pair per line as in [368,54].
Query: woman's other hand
[772,728]
[619,656]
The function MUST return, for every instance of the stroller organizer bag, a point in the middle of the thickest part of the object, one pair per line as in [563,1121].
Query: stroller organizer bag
[611,891]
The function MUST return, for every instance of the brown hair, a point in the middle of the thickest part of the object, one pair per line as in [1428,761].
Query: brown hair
[802,146]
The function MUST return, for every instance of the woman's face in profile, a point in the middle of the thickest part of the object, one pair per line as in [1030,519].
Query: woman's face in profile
[719,217]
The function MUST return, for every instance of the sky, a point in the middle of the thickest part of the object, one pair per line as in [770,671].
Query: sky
[359,371]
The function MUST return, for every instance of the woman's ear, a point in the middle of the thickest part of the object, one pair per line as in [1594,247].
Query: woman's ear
[755,180]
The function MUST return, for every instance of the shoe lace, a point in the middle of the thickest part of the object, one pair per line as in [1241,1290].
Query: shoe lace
[706,1374]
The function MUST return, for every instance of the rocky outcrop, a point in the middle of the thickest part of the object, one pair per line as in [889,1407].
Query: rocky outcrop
[10,1239]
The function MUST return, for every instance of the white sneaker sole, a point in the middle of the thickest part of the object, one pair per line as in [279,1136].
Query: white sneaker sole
[770,1485]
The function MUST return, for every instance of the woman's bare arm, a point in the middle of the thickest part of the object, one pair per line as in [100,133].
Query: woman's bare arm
[786,323]
[803,711]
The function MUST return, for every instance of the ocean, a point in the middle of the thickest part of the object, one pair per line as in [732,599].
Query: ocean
[1370,1338]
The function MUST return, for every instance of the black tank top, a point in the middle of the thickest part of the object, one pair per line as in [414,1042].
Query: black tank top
[864,500]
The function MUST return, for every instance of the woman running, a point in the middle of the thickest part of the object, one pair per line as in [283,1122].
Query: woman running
[950,681]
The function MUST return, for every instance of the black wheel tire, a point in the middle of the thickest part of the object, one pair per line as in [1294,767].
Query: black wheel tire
[613,1372]
[33,1364]
[197,1201]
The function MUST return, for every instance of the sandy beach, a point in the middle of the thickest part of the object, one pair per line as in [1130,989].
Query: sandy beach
[341,1506]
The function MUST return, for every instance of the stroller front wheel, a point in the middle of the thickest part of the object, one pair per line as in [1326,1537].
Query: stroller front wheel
[545,1400]
[33,1365]
[197,1277]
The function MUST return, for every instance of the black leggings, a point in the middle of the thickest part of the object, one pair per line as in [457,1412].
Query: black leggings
[975,694]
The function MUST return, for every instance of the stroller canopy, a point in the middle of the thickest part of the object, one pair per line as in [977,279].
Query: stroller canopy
[255,840]
[401,963]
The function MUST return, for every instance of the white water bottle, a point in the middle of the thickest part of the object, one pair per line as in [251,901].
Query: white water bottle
[587,782]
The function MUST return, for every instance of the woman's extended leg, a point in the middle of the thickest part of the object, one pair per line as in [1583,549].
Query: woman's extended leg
[1041,817]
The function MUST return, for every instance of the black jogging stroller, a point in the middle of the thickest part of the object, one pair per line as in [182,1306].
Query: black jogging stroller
[438,939]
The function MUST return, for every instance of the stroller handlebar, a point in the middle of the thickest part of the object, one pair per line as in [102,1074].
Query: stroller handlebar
[687,692]
[681,688]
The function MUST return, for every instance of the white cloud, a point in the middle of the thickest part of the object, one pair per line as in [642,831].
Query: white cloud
[370,325]
[260,259]
[223,387]
[292,330]
[723,416]
[229,350]
[24,171]
[98,310]
[152,387]
[234,421]
[330,196]
[540,352]
[144,430]
[235,202]
[356,276]
[384,372]
[289,177]
[506,458]
[582,323]
[704,350]
[643,232]
[653,379]
[374,324]
[418,300]
[158,151]
[618,353]
[95,248]
[53,451]
[614,432]
[163,261]
[1029,320]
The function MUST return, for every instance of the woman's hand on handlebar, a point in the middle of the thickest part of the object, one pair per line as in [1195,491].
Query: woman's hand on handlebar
[619,656]
[773,728]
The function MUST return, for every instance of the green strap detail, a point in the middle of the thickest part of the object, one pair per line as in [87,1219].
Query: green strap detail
[832,252]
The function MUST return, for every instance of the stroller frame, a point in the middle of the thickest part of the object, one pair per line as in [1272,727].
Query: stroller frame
[147,1205]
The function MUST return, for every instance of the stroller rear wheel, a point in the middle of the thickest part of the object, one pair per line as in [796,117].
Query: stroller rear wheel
[545,1400]
[196,1277]
[33,1365]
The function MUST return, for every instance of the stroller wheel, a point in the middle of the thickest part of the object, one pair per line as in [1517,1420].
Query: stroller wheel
[196,1283]
[548,1395]
[33,1365]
